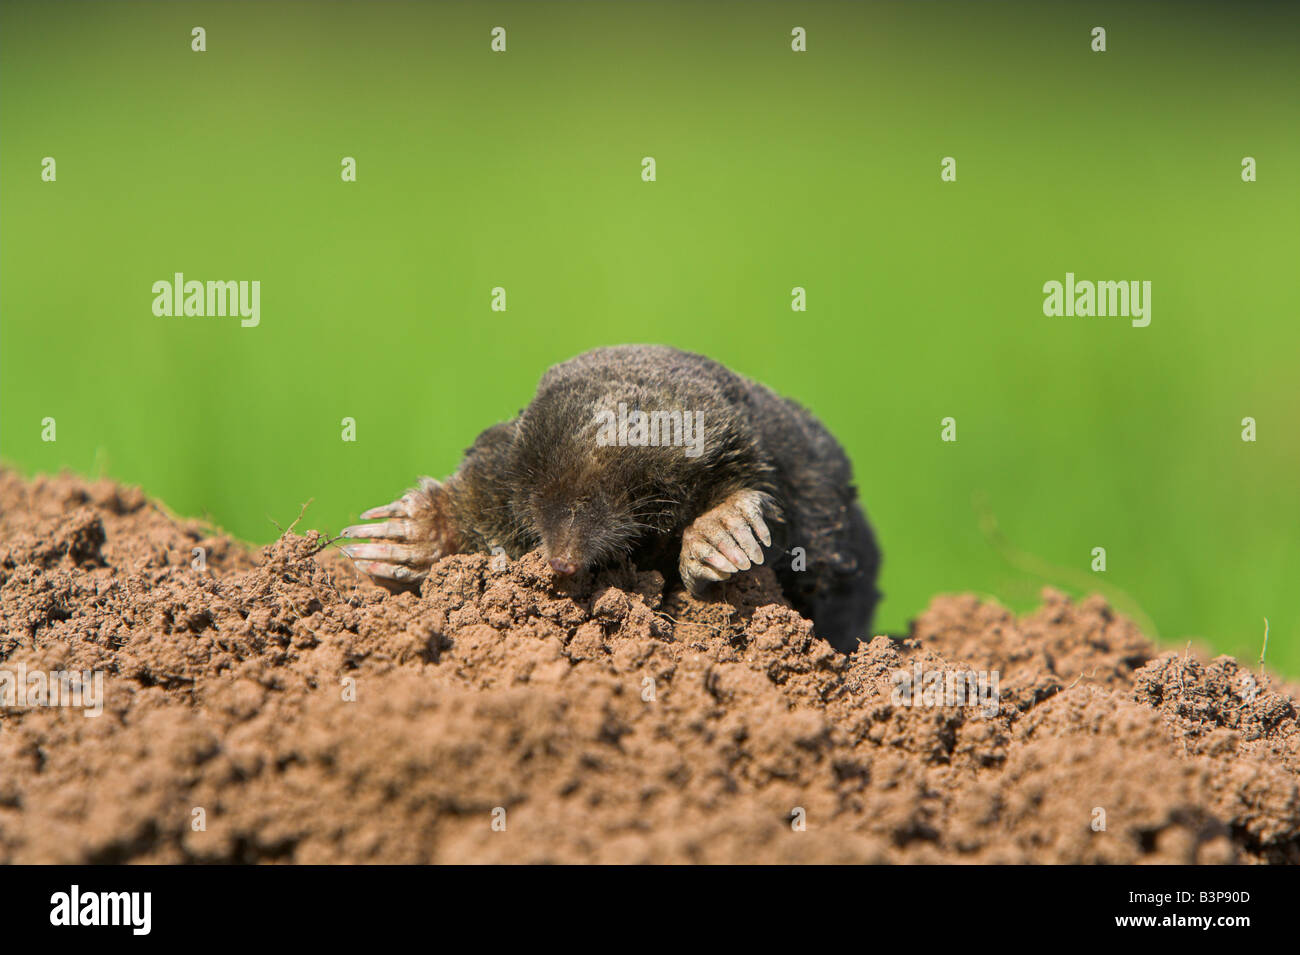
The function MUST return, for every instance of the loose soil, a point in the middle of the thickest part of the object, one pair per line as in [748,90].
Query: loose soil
[272,706]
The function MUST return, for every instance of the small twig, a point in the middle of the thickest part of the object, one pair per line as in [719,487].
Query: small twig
[662,615]
[1264,648]
[301,513]
[326,543]
[1082,674]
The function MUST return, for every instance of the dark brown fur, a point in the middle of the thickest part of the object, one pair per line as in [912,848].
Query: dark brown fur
[543,480]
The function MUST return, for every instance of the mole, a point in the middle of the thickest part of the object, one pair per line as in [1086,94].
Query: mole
[656,456]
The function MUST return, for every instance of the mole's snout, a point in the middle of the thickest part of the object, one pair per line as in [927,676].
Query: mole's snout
[564,566]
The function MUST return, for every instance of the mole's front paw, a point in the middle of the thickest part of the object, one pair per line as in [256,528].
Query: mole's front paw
[721,542]
[414,535]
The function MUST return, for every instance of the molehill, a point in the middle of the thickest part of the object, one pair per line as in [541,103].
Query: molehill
[272,706]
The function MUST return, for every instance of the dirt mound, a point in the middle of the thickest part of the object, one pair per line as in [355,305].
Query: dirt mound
[273,707]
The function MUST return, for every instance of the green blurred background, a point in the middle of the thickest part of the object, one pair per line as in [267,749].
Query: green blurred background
[775,170]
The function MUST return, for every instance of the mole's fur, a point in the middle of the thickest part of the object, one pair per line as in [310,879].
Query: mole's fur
[761,481]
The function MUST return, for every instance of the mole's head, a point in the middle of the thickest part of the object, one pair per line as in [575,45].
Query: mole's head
[583,518]
[587,500]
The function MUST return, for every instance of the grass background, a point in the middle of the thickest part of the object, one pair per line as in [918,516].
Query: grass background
[775,170]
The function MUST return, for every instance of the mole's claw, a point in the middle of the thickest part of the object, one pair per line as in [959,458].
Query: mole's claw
[397,553]
[382,571]
[400,530]
[402,507]
[725,540]
[409,504]
[713,557]
[386,510]
[744,536]
[753,512]
[722,539]
[705,572]
[412,532]
[701,564]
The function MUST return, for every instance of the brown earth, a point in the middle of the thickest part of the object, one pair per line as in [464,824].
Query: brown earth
[314,718]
